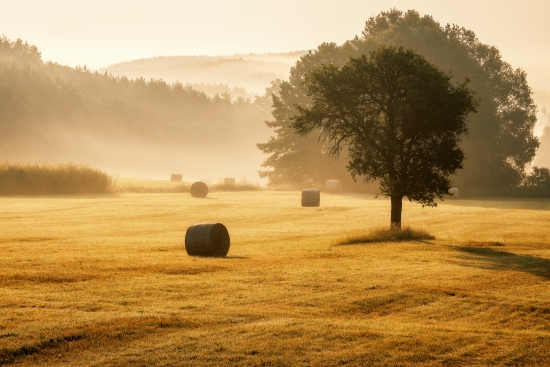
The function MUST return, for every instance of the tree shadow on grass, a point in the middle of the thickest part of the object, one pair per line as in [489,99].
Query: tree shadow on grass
[500,203]
[502,260]
[228,257]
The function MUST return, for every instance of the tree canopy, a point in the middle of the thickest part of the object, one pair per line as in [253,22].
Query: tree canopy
[543,154]
[500,140]
[400,117]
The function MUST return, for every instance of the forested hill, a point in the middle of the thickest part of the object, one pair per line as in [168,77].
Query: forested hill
[253,72]
[54,113]
[249,74]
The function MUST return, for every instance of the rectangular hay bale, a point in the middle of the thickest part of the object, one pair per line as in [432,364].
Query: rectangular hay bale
[176,177]
[229,181]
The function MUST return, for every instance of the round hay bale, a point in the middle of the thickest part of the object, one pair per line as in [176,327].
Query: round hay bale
[311,197]
[454,193]
[199,189]
[210,239]
[176,177]
[334,186]
[229,181]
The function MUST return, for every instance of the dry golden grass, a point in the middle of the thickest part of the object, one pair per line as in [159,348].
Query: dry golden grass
[52,179]
[106,281]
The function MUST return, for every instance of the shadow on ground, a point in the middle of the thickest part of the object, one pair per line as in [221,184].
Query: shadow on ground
[500,203]
[502,260]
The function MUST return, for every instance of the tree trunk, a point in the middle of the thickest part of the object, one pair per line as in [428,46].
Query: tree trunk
[396,206]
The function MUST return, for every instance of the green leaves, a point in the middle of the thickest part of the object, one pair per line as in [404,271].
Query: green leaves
[400,117]
[500,136]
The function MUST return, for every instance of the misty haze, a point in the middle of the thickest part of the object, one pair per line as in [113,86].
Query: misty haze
[308,183]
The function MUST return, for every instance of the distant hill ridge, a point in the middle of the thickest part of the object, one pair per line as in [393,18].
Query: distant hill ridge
[284,57]
[253,72]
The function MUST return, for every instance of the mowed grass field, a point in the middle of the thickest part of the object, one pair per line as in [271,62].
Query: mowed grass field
[106,281]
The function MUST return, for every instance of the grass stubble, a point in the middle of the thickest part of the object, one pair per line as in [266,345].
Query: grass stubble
[106,281]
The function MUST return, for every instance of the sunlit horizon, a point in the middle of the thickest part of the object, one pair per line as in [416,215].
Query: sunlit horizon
[104,33]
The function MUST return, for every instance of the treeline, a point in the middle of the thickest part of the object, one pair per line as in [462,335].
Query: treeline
[536,184]
[500,144]
[55,113]
[223,89]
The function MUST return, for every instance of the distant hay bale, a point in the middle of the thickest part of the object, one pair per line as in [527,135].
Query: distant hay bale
[229,181]
[199,189]
[210,239]
[454,193]
[176,177]
[311,197]
[334,186]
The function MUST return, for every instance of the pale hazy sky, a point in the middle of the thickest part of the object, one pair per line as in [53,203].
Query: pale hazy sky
[102,32]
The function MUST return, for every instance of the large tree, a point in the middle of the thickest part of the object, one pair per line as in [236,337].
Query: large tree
[400,117]
[500,140]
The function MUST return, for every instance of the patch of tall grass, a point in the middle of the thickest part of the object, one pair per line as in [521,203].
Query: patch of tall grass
[52,179]
[385,235]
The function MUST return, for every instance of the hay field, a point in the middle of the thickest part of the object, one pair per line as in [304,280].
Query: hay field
[132,185]
[106,281]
